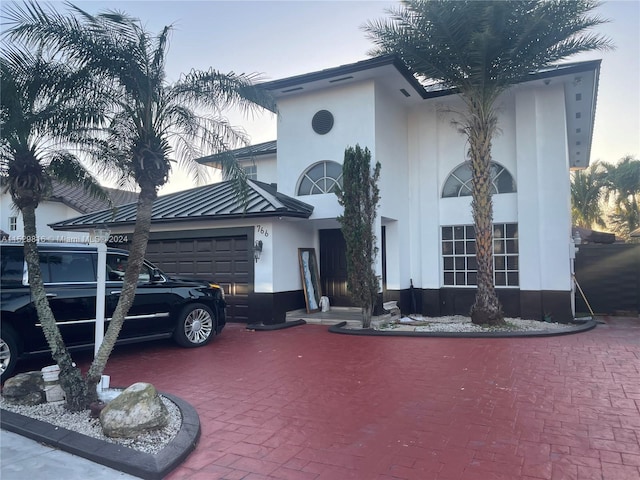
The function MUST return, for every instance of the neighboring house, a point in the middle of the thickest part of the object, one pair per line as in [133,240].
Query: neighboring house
[424,227]
[66,201]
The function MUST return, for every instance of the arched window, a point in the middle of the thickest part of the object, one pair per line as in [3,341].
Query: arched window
[458,183]
[322,177]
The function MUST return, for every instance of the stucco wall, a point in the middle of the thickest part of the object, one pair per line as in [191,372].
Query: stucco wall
[531,144]
[392,151]
[266,168]
[543,189]
[47,212]
[299,146]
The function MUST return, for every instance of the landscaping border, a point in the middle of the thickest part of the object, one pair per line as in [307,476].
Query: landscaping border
[118,457]
[259,327]
[576,327]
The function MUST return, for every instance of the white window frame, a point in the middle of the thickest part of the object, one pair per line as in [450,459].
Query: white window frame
[324,184]
[463,187]
[251,171]
[457,251]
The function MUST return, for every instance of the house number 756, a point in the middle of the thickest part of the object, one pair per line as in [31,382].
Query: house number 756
[262,231]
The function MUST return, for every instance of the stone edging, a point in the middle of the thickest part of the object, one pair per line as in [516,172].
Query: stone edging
[259,327]
[579,326]
[118,457]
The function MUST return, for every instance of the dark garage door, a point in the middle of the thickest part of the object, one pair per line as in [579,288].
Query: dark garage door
[224,260]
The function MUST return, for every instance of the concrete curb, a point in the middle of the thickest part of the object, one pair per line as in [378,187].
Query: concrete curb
[118,457]
[579,326]
[259,327]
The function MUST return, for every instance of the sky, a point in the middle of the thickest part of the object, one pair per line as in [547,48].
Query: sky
[279,39]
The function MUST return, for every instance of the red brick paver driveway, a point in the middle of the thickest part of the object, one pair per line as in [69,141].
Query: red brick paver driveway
[302,403]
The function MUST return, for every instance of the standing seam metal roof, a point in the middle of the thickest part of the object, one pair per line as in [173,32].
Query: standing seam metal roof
[256,150]
[211,202]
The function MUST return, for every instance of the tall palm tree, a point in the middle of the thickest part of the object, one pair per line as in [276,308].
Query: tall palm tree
[623,186]
[481,48]
[44,109]
[153,120]
[587,190]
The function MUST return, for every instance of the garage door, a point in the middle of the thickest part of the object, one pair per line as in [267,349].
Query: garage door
[224,260]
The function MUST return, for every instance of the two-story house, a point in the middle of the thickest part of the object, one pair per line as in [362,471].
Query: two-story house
[424,229]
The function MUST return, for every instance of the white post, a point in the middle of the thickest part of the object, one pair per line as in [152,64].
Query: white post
[101,236]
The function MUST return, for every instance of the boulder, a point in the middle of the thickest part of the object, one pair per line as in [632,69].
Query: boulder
[137,410]
[24,389]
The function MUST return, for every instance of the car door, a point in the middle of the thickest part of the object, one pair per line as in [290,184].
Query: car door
[70,282]
[150,313]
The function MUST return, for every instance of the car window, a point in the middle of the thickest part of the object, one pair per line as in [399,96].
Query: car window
[117,265]
[67,267]
[12,268]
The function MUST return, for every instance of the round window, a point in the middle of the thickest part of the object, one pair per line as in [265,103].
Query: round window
[322,122]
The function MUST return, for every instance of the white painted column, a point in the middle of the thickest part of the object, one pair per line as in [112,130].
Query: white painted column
[554,189]
[527,184]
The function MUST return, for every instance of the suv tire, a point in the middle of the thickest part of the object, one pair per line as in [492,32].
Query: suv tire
[8,351]
[196,326]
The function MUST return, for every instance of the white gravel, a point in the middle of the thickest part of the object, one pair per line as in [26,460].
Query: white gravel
[81,422]
[458,323]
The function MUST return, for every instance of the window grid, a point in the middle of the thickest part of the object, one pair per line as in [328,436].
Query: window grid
[322,177]
[459,261]
[251,171]
[458,184]
[13,224]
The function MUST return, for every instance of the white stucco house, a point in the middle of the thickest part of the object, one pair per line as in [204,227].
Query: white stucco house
[65,201]
[424,229]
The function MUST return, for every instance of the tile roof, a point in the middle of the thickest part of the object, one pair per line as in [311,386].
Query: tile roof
[76,197]
[218,201]
[264,148]
[79,199]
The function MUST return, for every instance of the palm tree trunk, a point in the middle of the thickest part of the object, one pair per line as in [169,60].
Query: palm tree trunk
[70,376]
[136,259]
[486,308]
[367,312]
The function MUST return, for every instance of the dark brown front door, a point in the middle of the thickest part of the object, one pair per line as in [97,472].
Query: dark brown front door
[333,268]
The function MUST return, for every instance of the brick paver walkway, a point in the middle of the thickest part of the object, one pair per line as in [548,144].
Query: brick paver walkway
[302,403]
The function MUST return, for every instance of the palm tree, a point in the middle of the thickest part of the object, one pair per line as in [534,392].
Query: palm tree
[587,189]
[623,184]
[153,120]
[44,108]
[481,48]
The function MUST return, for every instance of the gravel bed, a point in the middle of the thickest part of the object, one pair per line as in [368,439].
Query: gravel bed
[459,323]
[81,422]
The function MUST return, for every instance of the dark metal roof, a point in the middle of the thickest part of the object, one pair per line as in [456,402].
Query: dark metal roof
[218,201]
[425,91]
[265,148]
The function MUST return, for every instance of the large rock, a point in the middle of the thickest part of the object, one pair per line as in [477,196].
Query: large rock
[24,389]
[137,410]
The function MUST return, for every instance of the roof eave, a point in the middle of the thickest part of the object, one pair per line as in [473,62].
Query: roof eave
[381,61]
[209,218]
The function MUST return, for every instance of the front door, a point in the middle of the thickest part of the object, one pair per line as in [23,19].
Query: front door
[333,268]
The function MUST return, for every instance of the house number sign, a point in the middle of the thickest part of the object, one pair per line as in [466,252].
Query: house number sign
[262,230]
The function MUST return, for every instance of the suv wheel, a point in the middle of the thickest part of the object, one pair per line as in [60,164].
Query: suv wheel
[196,326]
[8,352]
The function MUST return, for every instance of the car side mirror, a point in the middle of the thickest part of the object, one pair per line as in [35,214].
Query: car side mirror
[156,275]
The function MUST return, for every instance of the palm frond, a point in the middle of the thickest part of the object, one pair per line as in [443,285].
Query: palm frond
[66,168]
[220,91]
[487,45]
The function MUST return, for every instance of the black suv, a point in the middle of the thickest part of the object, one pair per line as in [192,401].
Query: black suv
[192,312]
